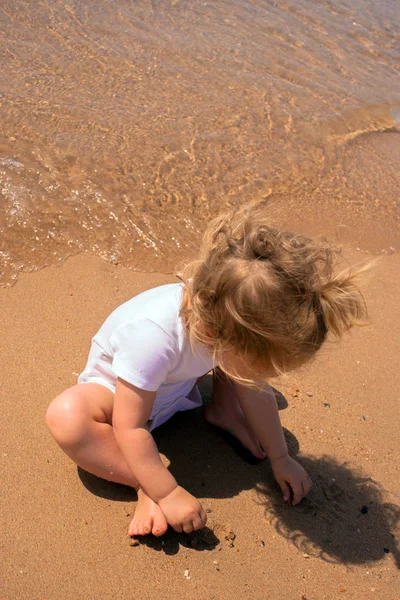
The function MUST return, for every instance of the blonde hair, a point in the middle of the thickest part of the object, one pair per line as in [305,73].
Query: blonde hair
[269,296]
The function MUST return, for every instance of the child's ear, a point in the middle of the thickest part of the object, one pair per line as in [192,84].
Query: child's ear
[207,333]
[210,332]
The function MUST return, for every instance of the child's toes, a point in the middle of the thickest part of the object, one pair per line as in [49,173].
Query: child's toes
[159,530]
[133,528]
[160,525]
[145,527]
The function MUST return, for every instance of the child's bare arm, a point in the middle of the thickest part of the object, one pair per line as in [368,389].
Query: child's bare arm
[261,411]
[132,410]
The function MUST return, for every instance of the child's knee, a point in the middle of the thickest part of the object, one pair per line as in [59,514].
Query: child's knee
[66,419]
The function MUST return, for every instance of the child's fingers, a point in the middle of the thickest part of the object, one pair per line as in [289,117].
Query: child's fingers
[198,524]
[285,490]
[203,516]
[188,527]
[297,493]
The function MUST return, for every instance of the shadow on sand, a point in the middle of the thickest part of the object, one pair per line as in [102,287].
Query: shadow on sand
[344,519]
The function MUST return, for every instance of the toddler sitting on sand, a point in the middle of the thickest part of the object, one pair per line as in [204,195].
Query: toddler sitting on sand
[257,303]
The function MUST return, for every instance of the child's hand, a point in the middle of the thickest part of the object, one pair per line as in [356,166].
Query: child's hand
[291,476]
[183,511]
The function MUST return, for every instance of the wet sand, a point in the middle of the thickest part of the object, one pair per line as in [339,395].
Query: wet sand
[64,533]
[126,126]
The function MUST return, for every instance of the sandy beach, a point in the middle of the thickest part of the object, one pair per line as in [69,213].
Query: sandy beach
[64,533]
[125,128]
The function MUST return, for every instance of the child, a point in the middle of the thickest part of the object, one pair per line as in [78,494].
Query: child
[257,303]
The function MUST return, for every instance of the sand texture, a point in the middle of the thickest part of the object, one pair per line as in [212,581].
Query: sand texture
[64,533]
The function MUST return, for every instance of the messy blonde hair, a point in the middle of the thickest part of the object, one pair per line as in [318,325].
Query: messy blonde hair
[269,296]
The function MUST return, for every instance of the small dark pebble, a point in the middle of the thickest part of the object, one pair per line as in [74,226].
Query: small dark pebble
[262,544]
[364,509]
[208,511]
[365,418]
[134,542]
[327,405]
[386,550]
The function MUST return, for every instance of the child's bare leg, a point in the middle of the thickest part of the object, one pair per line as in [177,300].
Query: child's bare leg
[224,411]
[80,420]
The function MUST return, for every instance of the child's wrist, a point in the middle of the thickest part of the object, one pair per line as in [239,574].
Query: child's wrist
[280,457]
[177,487]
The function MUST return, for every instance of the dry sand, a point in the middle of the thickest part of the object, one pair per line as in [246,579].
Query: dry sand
[63,533]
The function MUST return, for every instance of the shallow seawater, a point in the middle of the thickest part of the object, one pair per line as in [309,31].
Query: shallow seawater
[127,125]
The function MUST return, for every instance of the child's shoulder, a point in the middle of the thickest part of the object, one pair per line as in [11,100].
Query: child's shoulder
[161,298]
[161,305]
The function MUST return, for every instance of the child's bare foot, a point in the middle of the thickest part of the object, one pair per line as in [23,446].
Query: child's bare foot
[234,421]
[148,518]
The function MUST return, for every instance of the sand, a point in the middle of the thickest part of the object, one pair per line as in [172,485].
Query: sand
[64,533]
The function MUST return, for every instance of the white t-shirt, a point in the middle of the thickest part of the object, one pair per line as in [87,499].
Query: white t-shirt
[145,343]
